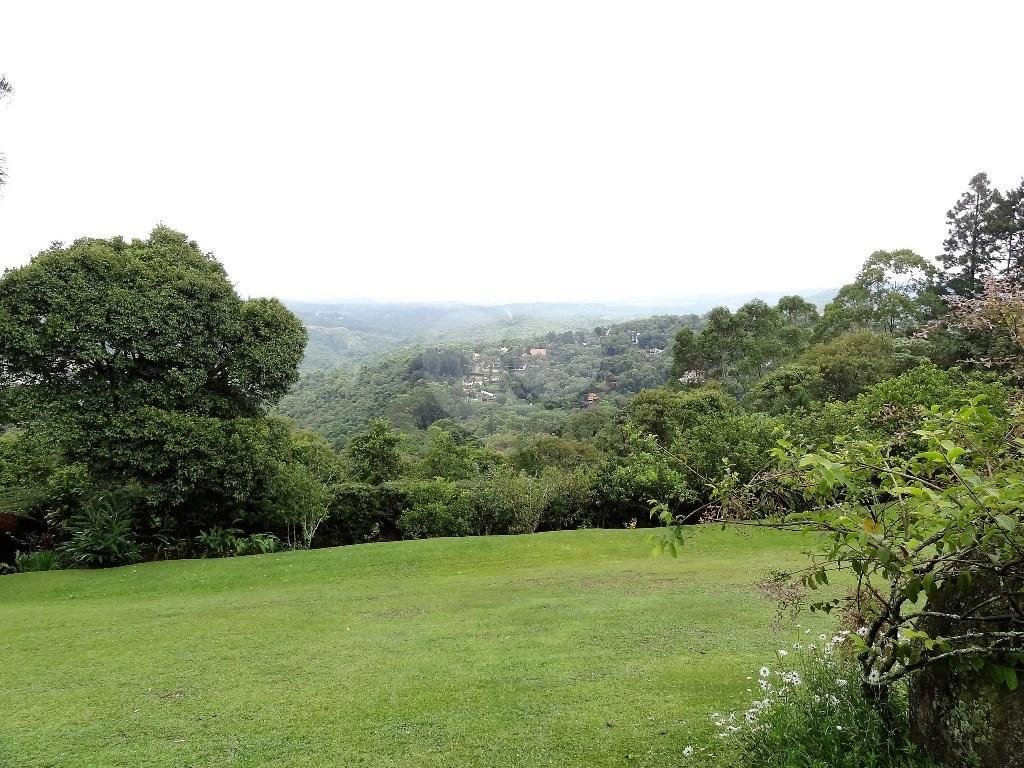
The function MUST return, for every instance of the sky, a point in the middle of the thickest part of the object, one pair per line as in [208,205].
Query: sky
[517,151]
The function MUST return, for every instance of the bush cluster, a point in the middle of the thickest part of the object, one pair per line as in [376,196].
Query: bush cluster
[811,711]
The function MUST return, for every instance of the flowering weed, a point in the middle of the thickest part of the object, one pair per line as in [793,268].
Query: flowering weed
[811,712]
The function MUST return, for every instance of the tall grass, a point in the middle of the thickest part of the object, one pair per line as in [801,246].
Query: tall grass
[40,560]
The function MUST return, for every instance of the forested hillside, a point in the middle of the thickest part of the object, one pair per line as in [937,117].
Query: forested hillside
[497,390]
[345,335]
[348,334]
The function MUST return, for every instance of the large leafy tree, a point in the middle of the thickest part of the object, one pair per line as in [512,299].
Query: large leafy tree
[141,362]
[720,343]
[688,357]
[373,455]
[970,249]
[799,317]
[738,348]
[854,361]
[105,326]
[893,293]
[762,345]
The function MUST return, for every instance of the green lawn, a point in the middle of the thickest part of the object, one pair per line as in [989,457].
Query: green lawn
[557,649]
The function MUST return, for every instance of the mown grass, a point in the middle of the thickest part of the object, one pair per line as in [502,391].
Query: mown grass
[561,649]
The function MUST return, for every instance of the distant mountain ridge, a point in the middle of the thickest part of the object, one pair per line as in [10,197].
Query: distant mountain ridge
[687,304]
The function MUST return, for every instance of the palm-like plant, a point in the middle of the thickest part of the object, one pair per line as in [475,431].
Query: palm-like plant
[101,535]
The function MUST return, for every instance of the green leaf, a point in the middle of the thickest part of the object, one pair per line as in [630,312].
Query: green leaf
[1010,675]
[1007,523]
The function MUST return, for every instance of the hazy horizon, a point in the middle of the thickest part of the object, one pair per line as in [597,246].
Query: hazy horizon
[478,153]
[682,301]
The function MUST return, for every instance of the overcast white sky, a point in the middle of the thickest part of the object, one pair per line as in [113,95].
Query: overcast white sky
[489,151]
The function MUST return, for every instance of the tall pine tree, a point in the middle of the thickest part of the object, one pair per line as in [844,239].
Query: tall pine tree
[1009,231]
[970,250]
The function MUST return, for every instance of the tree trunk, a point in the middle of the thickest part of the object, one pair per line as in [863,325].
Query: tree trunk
[966,719]
[959,716]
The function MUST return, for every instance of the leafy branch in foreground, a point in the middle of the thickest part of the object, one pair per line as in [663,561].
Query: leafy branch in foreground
[930,527]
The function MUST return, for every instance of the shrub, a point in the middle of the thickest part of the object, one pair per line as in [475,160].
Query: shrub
[437,508]
[788,387]
[300,490]
[257,544]
[507,501]
[434,519]
[101,535]
[228,542]
[743,440]
[363,512]
[812,713]
[569,499]
[165,545]
[627,483]
[934,537]
[40,560]
[218,542]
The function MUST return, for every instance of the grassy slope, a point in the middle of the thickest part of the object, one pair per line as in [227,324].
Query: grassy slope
[560,649]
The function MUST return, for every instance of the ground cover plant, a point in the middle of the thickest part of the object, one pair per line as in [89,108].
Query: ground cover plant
[571,648]
[807,710]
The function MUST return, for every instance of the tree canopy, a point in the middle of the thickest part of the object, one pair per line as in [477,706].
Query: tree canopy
[139,362]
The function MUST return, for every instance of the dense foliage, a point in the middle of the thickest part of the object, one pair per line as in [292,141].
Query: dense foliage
[497,390]
[915,490]
[134,371]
